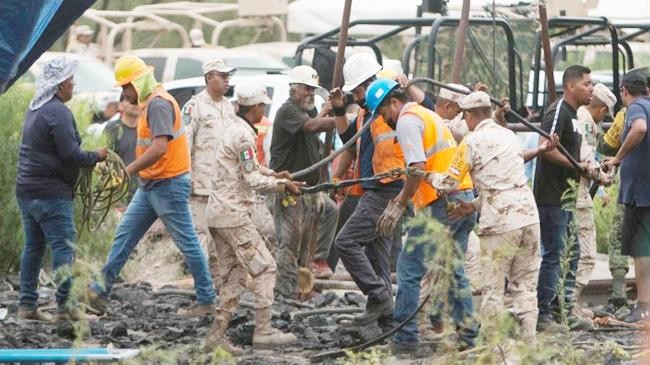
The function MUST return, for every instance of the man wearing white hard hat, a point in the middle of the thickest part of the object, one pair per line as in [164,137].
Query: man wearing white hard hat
[295,146]
[204,117]
[82,43]
[236,178]
[509,223]
[589,116]
[364,253]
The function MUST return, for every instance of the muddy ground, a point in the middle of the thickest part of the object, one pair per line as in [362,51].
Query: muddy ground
[140,317]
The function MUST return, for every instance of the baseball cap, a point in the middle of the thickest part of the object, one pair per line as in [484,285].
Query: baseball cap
[604,94]
[634,78]
[251,94]
[452,95]
[216,65]
[477,99]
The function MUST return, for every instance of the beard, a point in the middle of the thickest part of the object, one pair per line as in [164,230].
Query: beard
[308,104]
[392,123]
[361,103]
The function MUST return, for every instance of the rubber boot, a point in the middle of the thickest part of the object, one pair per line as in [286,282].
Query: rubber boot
[217,336]
[266,337]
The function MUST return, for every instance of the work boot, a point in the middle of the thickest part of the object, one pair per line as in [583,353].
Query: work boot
[96,303]
[640,312]
[265,336]
[70,315]
[34,315]
[373,312]
[217,337]
[545,323]
[198,310]
[321,269]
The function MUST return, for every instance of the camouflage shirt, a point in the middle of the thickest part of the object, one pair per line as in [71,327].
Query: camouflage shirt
[494,158]
[588,130]
[203,118]
[236,176]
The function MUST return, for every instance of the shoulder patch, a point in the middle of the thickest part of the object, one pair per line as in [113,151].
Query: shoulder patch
[246,158]
[187,111]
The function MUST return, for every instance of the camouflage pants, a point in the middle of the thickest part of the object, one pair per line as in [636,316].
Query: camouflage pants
[587,240]
[304,230]
[197,205]
[513,255]
[618,264]
[244,262]
[263,221]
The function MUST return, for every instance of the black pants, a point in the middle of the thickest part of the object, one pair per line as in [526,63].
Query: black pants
[364,254]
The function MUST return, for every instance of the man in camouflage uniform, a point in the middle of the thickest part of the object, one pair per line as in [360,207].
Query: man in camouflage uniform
[245,262]
[608,144]
[204,116]
[589,116]
[509,222]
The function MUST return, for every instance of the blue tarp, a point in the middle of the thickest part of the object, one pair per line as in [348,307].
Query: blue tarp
[65,355]
[30,27]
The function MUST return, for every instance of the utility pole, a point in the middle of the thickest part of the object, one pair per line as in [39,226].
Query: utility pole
[460,43]
[548,61]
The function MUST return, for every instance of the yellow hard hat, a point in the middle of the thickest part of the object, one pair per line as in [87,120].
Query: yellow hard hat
[387,74]
[129,68]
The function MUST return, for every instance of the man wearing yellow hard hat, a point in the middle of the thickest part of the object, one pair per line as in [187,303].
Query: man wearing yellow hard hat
[162,164]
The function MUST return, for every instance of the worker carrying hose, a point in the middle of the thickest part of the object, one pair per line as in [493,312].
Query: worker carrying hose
[48,167]
[163,164]
[509,223]
[427,144]
[236,177]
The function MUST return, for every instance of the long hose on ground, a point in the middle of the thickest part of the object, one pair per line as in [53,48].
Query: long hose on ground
[100,188]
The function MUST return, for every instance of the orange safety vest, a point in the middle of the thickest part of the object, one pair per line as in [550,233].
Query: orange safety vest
[262,128]
[176,160]
[388,153]
[440,148]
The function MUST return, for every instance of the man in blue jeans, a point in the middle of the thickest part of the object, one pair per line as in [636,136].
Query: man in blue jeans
[427,145]
[162,163]
[552,176]
[48,167]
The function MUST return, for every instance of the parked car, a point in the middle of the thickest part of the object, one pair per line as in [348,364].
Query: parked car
[183,63]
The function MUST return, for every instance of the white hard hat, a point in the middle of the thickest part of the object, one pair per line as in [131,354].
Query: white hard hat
[303,75]
[83,30]
[196,37]
[359,68]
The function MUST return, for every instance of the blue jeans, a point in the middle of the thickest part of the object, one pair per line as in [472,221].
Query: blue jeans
[169,201]
[412,265]
[555,226]
[46,222]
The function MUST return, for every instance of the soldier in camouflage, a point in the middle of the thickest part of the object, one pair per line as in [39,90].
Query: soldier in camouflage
[245,262]
[204,117]
[509,222]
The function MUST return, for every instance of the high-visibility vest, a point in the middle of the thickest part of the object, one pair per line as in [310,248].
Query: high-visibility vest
[440,148]
[387,156]
[176,160]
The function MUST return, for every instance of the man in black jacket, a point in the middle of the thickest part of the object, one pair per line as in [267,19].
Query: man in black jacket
[48,166]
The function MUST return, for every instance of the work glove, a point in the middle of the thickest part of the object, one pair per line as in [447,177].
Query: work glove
[390,218]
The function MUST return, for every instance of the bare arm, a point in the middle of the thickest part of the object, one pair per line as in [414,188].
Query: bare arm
[411,185]
[413,92]
[554,156]
[150,156]
[343,165]
[319,124]
[636,134]
[544,147]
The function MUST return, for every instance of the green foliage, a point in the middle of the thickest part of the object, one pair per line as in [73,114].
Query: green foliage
[373,356]
[605,208]
[13,105]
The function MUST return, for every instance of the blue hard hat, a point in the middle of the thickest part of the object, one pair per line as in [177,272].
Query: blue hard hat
[378,91]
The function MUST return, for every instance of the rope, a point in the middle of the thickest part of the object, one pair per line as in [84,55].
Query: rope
[98,195]
[394,174]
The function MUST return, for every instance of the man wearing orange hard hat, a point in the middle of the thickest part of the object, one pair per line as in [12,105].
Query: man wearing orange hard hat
[162,164]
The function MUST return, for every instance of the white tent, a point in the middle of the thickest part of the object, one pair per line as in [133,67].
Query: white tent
[317,16]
